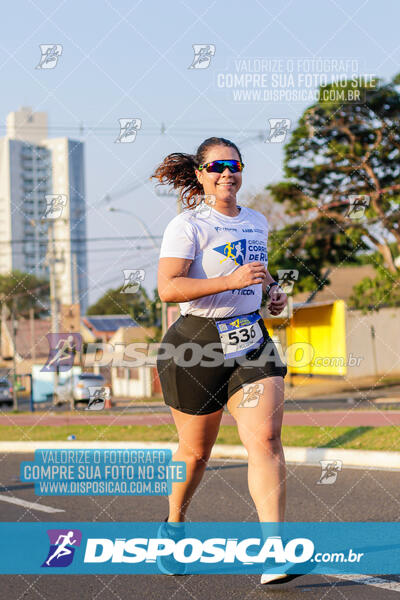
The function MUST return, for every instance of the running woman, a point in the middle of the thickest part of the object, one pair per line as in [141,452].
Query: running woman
[214,264]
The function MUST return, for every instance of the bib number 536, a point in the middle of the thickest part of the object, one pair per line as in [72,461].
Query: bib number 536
[241,335]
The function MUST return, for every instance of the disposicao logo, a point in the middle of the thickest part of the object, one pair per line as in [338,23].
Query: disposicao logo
[62,547]
[211,550]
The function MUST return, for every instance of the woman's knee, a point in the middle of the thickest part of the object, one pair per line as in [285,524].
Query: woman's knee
[195,455]
[263,441]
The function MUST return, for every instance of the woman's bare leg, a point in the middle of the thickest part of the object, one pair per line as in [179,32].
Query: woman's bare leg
[197,435]
[259,427]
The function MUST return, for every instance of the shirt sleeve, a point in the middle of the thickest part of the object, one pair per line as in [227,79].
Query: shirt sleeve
[178,240]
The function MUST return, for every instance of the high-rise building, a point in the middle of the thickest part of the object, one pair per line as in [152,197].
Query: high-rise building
[33,166]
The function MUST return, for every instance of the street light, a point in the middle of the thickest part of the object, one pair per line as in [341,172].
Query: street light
[51,260]
[138,219]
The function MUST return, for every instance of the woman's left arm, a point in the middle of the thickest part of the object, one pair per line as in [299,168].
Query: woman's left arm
[277,298]
[268,279]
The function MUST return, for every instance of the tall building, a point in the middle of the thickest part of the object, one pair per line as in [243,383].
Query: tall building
[32,165]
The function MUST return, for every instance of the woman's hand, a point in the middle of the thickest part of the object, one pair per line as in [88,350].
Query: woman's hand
[248,274]
[278,300]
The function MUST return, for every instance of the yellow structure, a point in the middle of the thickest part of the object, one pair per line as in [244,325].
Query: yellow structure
[315,338]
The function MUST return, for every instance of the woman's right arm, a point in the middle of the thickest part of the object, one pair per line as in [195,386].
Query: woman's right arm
[174,285]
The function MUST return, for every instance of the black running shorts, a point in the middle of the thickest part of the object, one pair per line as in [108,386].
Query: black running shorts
[195,376]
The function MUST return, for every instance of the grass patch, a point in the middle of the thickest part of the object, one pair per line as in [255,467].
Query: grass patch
[362,438]
[391,380]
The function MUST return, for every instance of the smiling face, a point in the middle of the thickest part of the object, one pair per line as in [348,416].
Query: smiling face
[224,186]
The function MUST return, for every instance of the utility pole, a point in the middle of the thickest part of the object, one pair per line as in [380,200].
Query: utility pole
[32,328]
[75,298]
[372,328]
[14,341]
[51,262]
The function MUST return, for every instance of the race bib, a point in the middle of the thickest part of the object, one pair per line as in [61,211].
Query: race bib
[239,335]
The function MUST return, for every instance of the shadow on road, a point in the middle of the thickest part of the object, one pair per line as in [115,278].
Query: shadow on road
[22,486]
[235,466]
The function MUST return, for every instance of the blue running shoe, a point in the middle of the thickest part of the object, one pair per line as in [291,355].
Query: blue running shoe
[168,564]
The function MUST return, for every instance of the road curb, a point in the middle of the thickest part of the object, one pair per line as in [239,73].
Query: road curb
[307,456]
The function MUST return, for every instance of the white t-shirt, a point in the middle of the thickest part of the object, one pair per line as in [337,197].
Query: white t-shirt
[218,244]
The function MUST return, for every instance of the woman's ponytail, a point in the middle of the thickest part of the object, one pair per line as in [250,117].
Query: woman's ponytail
[178,170]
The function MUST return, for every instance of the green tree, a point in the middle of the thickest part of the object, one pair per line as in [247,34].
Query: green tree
[375,293]
[27,291]
[339,151]
[137,305]
[289,248]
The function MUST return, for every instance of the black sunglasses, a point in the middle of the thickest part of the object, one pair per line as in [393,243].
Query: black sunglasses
[219,166]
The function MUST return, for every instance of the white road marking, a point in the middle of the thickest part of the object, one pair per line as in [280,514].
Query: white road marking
[387,584]
[26,504]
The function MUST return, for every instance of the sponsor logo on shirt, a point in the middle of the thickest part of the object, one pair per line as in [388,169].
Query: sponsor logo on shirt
[225,228]
[235,251]
[243,292]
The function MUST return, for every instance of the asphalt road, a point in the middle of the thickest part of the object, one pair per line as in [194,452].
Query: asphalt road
[357,495]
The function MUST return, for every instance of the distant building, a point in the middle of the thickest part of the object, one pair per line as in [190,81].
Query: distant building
[324,337]
[32,166]
[103,327]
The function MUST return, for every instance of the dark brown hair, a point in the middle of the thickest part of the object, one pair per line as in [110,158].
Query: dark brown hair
[178,170]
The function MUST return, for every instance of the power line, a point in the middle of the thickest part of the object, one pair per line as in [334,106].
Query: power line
[113,129]
[120,238]
[113,279]
[94,250]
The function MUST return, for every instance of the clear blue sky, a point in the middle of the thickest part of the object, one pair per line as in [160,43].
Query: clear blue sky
[125,59]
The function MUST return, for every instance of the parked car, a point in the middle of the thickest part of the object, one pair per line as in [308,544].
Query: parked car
[6,392]
[76,388]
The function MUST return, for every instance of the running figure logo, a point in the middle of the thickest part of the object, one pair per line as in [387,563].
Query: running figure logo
[63,347]
[202,56]
[330,470]
[235,251]
[97,397]
[54,205]
[62,547]
[50,55]
[251,395]
[128,130]
[203,205]
[357,206]
[279,128]
[132,279]
[287,278]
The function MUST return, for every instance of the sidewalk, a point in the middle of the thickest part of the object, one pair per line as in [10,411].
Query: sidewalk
[366,459]
[364,388]
[343,418]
